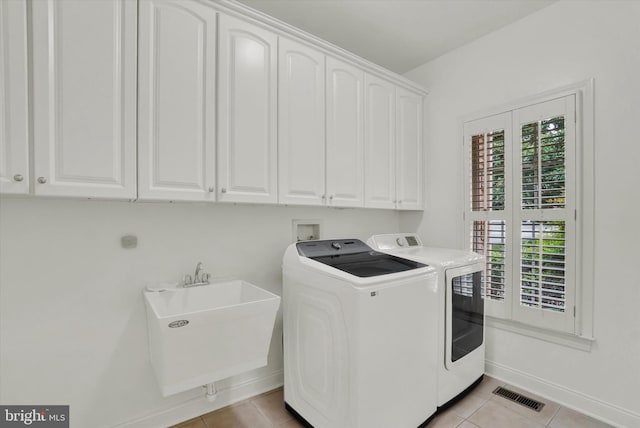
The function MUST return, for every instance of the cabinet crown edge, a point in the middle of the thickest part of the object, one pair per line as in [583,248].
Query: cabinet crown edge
[282,28]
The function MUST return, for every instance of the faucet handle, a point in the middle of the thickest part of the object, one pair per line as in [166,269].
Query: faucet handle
[187,280]
[205,278]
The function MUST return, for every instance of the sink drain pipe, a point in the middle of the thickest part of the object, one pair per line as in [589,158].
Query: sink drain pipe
[211,393]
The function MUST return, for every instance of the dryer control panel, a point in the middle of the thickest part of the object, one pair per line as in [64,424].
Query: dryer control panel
[394,241]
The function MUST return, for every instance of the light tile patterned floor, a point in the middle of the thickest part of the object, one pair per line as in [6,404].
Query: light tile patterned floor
[479,409]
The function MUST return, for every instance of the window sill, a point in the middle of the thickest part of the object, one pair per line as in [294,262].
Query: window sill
[565,339]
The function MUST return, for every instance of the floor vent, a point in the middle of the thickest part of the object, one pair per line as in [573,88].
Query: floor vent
[518,398]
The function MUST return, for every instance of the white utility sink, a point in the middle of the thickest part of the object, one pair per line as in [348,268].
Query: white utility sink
[203,334]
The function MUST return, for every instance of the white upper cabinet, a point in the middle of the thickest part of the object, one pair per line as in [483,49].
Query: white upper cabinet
[198,101]
[84,98]
[379,143]
[345,139]
[14,119]
[247,112]
[409,150]
[301,131]
[176,100]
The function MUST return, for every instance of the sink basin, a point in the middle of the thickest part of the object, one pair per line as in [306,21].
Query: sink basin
[203,334]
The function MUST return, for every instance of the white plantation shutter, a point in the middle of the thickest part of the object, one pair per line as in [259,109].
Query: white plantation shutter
[544,202]
[488,176]
[520,198]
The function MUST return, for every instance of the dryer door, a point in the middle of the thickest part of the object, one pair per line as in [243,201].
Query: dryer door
[464,312]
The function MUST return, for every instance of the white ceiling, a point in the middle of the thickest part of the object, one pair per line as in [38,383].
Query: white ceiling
[398,34]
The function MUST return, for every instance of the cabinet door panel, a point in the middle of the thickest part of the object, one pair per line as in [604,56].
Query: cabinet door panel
[301,165]
[247,144]
[345,142]
[84,92]
[14,130]
[409,150]
[176,100]
[379,148]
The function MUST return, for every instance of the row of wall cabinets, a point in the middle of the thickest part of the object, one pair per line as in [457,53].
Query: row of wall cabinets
[176,100]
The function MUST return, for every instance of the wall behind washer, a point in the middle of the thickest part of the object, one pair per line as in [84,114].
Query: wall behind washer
[72,315]
[564,43]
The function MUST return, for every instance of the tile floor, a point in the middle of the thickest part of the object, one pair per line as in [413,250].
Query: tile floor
[479,409]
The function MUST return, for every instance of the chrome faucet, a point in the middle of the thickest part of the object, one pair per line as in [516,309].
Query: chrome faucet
[196,276]
[199,278]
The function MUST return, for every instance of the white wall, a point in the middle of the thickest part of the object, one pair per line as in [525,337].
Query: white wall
[72,316]
[565,43]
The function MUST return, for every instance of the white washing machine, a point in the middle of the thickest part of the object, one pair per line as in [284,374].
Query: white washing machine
[359,336]
[460,310]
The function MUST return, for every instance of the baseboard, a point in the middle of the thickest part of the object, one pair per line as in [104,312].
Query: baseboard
[199,405]
[591,406]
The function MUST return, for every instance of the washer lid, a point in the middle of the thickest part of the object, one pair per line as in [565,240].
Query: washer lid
[355,257]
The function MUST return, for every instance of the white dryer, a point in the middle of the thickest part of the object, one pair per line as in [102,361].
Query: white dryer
[460,310]
[359,336]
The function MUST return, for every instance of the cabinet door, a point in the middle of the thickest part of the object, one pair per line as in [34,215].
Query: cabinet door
[379,143]
[301,127]
[176,104]
[345,142]
[84,95]
[409,150]
[14,134]
[247,107]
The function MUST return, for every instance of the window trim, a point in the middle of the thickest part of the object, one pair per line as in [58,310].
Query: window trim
[570,340]
[585,208]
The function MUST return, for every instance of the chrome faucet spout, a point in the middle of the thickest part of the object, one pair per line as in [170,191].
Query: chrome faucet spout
[196,276]
[199,277]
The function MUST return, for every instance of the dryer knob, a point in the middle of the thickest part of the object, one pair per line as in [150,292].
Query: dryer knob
[336,245]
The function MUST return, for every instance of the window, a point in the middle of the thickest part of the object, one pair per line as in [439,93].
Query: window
[521,201]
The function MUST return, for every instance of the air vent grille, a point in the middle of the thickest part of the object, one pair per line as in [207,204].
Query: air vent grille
[519,398]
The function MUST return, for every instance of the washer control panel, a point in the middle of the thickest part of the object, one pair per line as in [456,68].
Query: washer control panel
[331,247]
